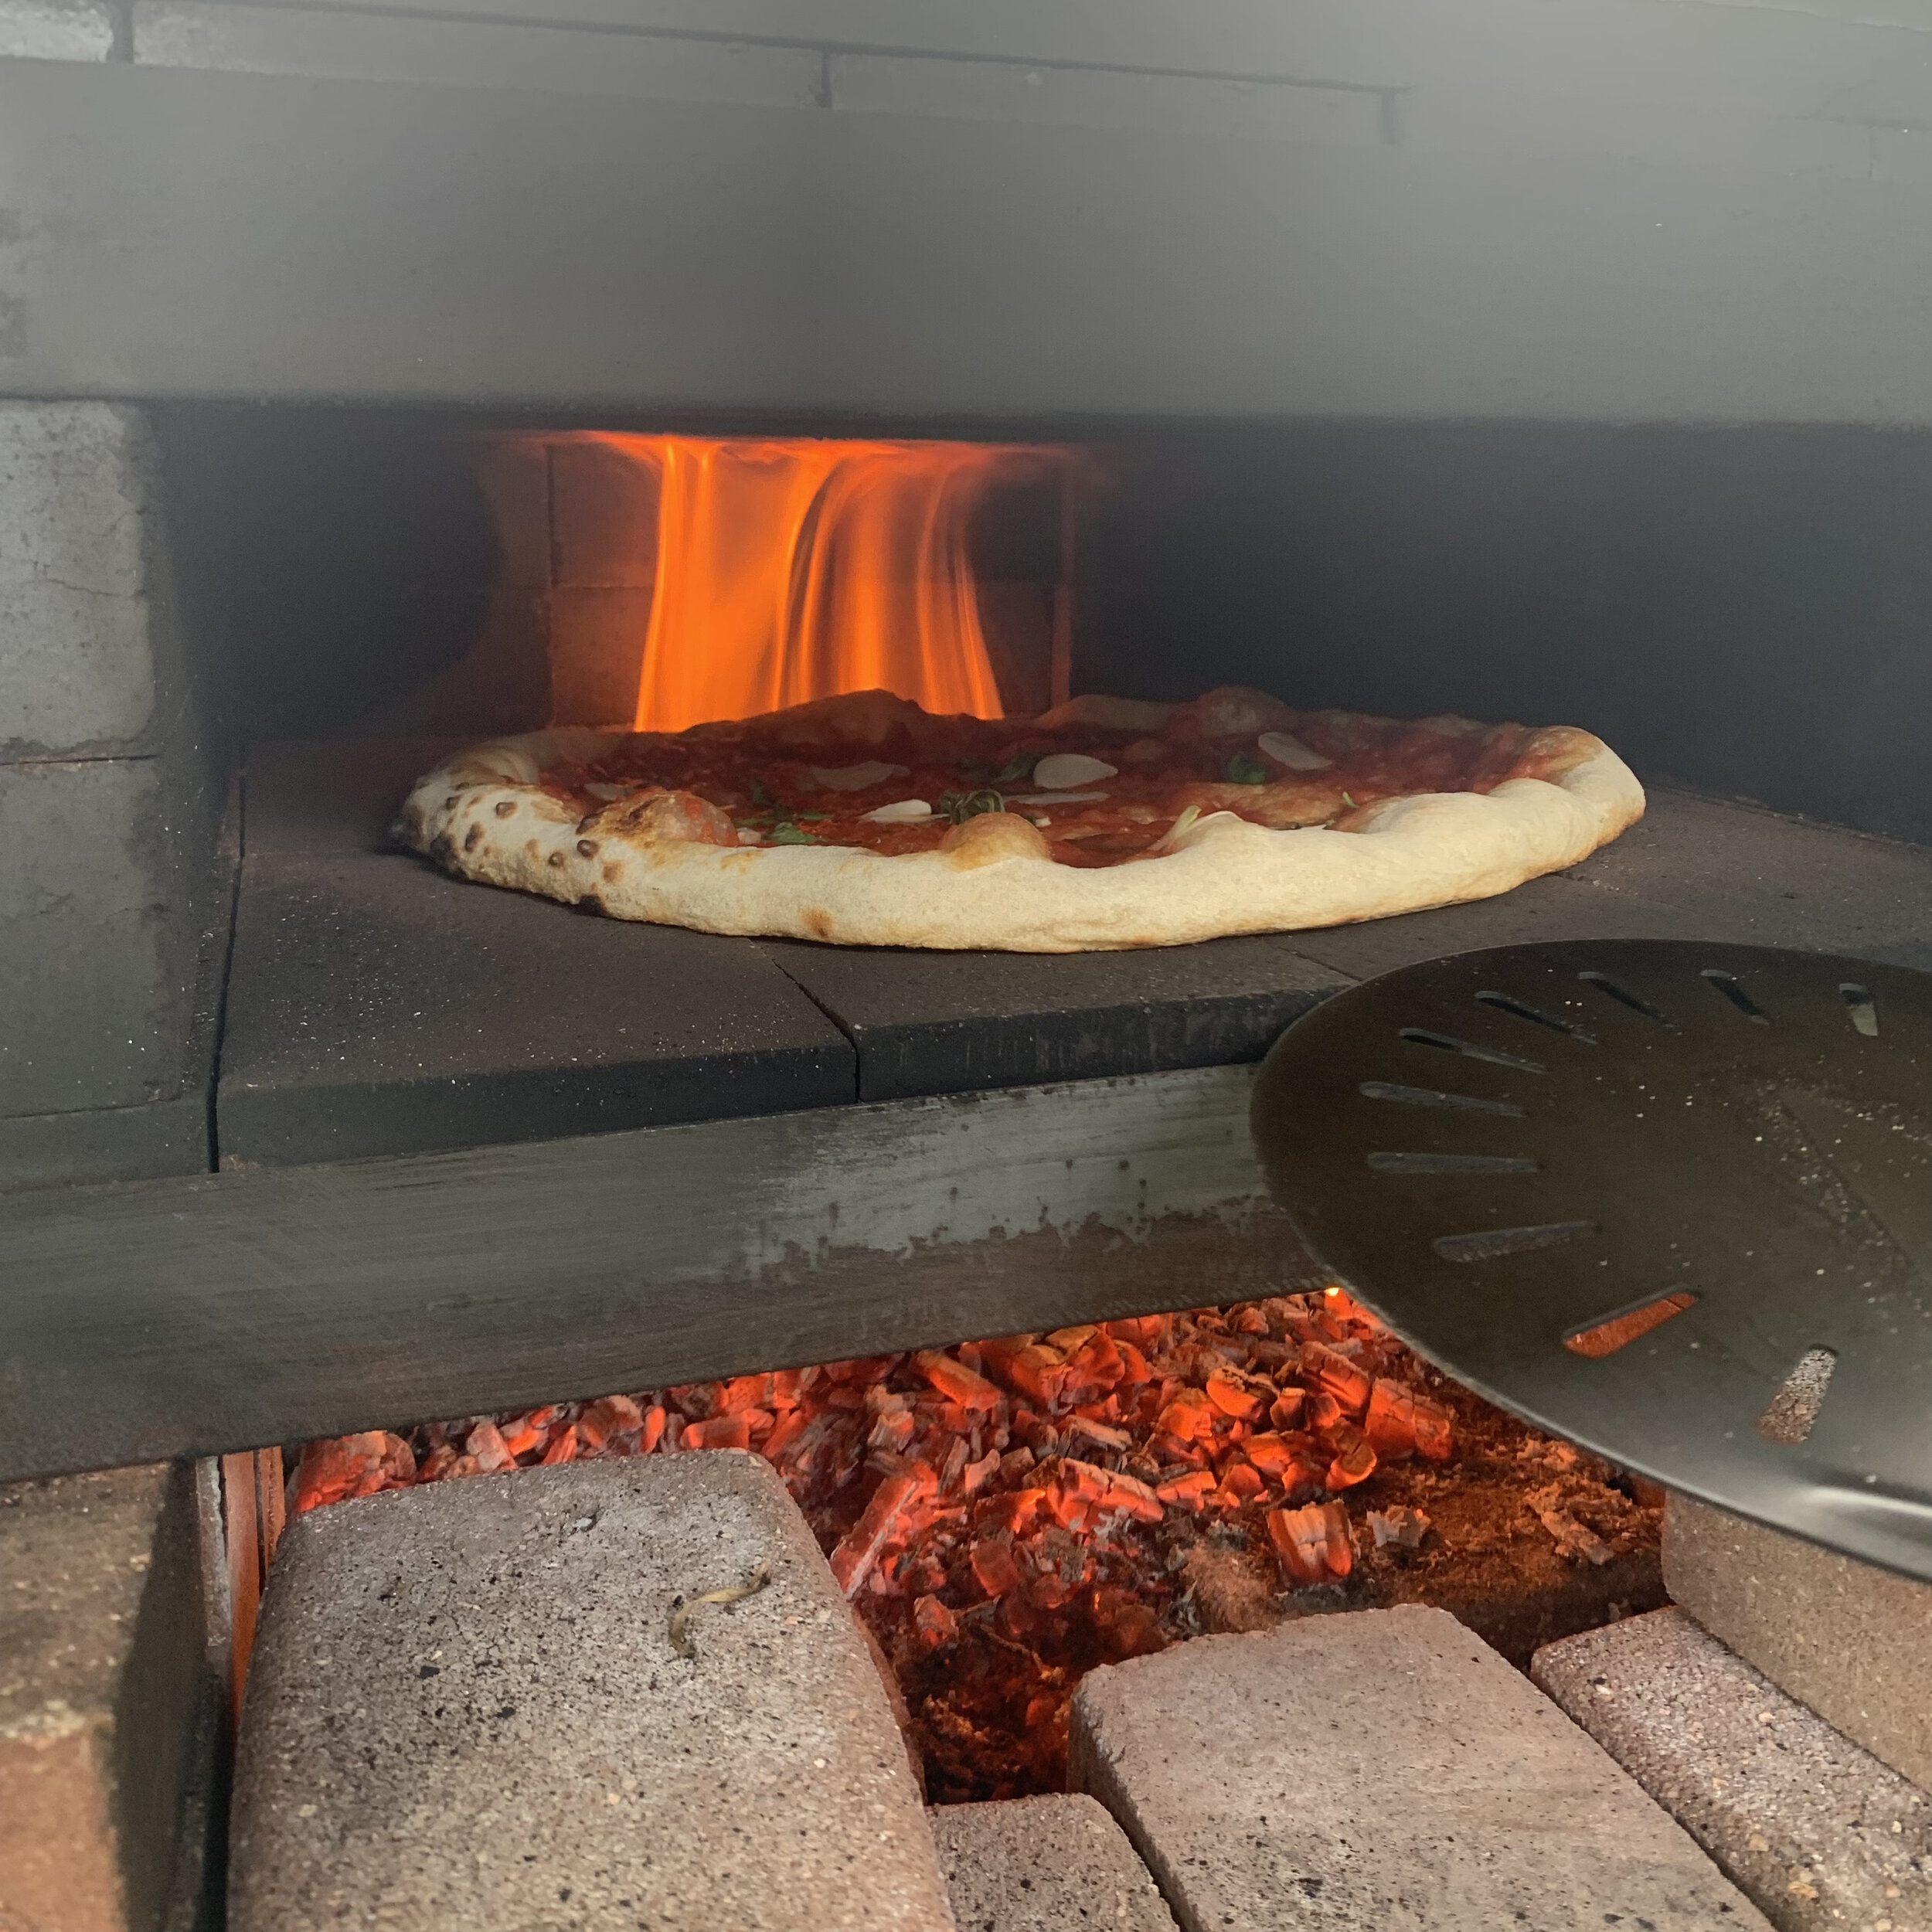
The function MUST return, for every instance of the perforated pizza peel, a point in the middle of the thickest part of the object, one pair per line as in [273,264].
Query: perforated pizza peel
[1671,1201]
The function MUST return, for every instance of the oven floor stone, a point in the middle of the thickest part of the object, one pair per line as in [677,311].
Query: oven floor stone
[466,1708]
[1058,1863]
[1817,1832]
[1373,1770]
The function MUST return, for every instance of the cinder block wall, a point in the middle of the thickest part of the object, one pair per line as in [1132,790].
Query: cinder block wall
[112,796]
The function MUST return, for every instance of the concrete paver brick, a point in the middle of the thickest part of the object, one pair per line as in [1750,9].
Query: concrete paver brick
[1057,1863]
[1378,1769]
[466,1708]
[1817,1832]
[1853,1641]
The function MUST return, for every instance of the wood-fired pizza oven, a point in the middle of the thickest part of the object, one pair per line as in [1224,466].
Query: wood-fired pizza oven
[1565,367]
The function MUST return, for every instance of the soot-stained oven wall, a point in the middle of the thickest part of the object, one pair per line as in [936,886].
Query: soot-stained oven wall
[1747,610]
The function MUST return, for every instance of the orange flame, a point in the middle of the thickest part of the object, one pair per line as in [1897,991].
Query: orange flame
[794,569]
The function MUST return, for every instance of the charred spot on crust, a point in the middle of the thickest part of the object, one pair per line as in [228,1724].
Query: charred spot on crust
[452,801]
[443,848]
[817,923]
[555,859]
[504,807]
[613,871]
[587,848]
[473,837]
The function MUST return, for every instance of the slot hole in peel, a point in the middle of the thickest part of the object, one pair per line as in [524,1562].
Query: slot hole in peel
[1791,1414]
[1434,1096]
[1862,1009]
[1732,988]
[1518,1009]
[1452,1164]
[1622,1326]
[1492,1244]
[1615,989]
[1448,1043]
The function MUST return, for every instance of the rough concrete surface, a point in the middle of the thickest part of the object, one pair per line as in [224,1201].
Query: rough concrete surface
[107,1721]
[1378,1769]
[1853,1641]
[1818,1832]
[79,497]
[55,30]
[465,1709]
[1052,1864]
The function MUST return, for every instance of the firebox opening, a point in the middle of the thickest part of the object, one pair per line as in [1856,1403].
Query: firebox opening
[1005,1514]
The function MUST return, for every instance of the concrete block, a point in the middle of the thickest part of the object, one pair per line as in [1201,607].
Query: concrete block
[110,1700]
[1377,1769]
[82,641]
[465,1707]
[55,30]
[98,937]
[1052,1864]
[1818,1833]
[347,45]
[1853,1641]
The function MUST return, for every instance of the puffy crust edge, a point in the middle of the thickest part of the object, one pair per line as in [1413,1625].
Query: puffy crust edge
[481,815]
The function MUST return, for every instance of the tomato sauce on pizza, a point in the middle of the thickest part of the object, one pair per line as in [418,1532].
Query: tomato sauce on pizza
[1099,794]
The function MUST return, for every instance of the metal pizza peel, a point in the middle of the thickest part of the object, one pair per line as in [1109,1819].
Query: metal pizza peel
[1669,1200]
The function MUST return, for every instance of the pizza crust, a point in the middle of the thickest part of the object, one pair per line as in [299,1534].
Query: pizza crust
[990,885]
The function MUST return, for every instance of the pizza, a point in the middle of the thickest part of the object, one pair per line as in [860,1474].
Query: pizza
[1105,823]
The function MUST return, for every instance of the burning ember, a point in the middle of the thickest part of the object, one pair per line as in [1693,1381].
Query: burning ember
[1006,1515]
[791,568]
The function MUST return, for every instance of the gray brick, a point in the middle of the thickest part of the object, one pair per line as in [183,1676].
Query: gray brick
[111,1696]
[1057,1863]
[464,1709]
[98,940]
[1377,1769]
[55,30]
[1853,1641]
[1818,1833]
[80,637]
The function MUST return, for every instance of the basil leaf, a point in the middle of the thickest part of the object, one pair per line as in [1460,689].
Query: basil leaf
[789,835]
[760,796]
[1241,770]
[1019,765]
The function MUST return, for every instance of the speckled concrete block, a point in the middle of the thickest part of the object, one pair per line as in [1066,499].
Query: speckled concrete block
[1375,1769]
[1853,1641]
[1819,1832]
[466,1709]
[110,1701]
[1054,1864]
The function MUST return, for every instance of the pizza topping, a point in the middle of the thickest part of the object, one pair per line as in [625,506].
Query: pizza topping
[1241,770]
[855,778]
[1067,770]
[1057,798]
[1285,748]
[903,812]
[959,806]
